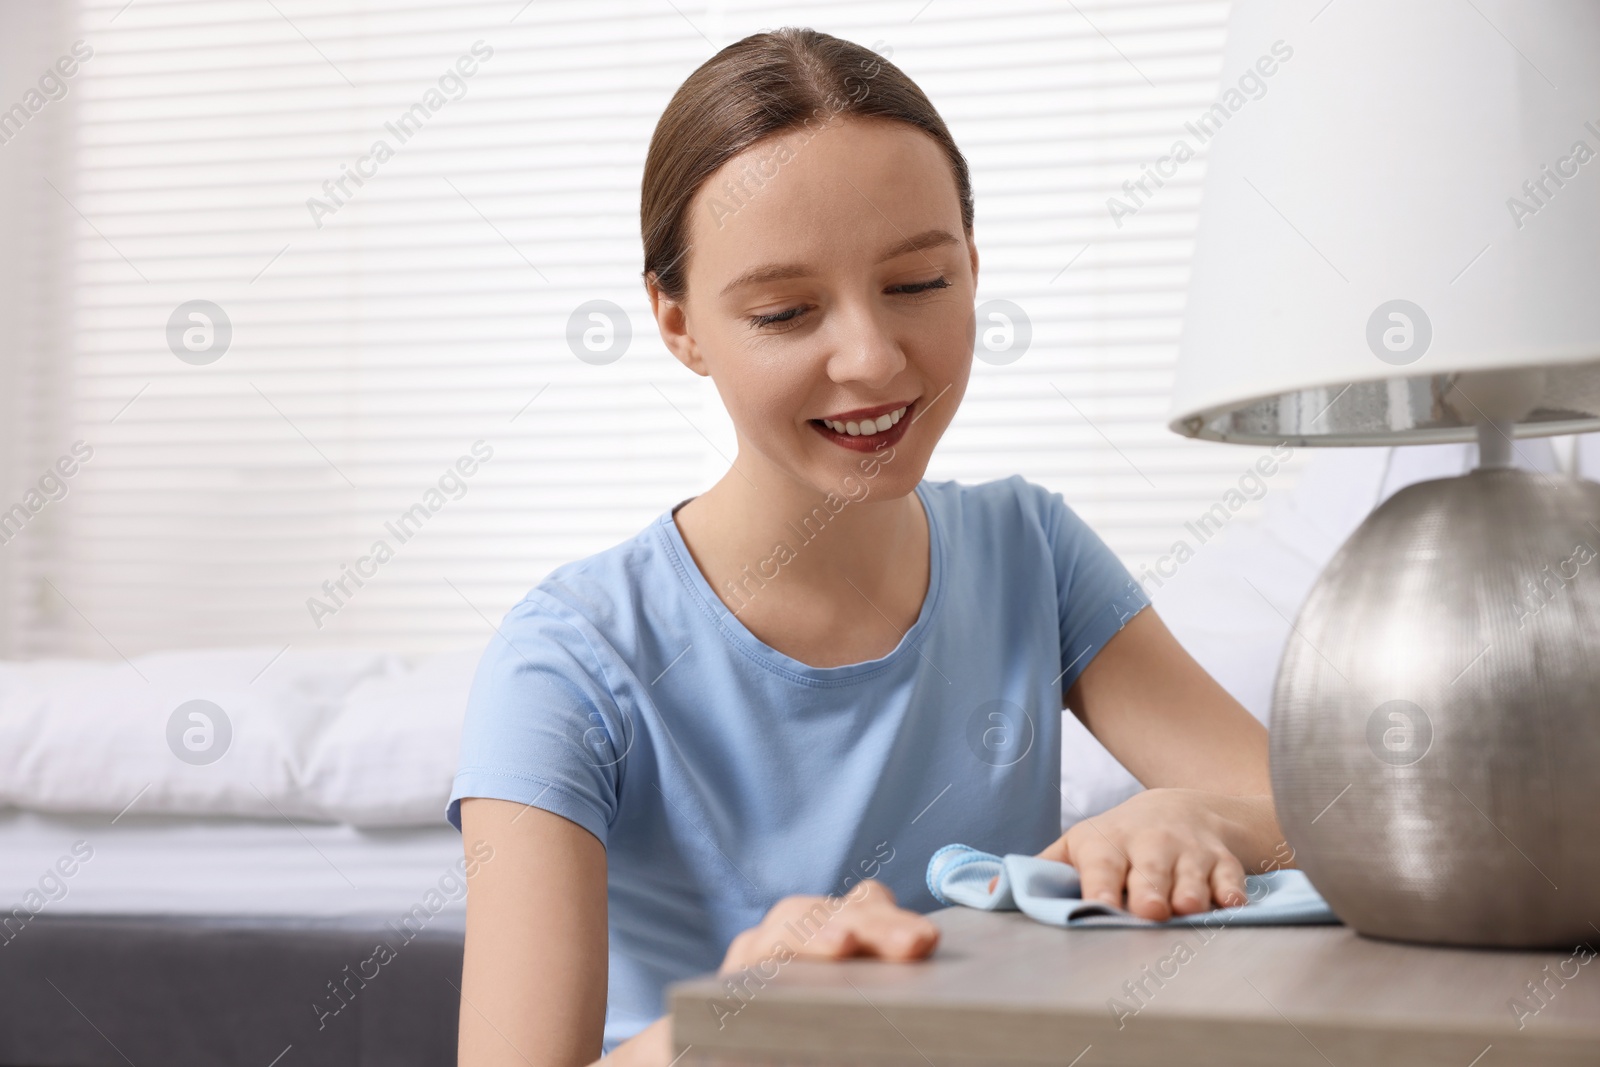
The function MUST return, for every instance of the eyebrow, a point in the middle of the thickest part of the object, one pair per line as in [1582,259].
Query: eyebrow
[777,272]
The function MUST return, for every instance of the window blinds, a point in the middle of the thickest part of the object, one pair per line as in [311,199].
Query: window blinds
[285,346]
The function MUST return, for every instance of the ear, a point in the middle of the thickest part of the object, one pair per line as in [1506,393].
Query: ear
[673,323]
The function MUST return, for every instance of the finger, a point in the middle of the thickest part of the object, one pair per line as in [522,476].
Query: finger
[878,927]
[860,923]
[1150,881]
[794,926]
[812,927]
[741,951]
[1057,850]
[836,941]
[894,935]
[1227,881]
[870,891]
[1102,873]
[1191,882]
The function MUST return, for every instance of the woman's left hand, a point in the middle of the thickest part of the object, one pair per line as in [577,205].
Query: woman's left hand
[1170,851]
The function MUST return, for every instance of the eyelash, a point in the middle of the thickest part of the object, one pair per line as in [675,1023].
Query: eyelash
[783,318]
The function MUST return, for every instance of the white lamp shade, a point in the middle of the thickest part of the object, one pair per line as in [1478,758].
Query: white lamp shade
[1410,200]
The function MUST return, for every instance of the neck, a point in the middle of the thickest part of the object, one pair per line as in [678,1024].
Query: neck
[802,535]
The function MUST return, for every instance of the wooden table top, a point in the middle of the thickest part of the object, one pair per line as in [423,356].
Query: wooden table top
[1003,989]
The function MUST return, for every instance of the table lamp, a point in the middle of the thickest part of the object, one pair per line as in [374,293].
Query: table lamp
[1399,242]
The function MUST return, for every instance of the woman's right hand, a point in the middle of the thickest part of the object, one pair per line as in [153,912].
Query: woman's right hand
[864,922]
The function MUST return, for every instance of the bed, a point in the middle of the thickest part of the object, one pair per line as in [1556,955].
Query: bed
[178,940]
[150,929]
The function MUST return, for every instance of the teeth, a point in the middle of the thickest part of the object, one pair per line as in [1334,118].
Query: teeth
[867,426]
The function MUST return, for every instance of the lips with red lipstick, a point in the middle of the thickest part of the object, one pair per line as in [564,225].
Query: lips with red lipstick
[867,429]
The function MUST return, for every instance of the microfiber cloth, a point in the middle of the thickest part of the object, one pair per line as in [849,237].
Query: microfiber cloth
[1048,892]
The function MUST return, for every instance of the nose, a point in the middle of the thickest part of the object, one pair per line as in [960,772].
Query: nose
[865,348]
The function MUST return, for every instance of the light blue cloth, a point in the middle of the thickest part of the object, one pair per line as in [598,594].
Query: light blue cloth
[1048,892]
[723,775]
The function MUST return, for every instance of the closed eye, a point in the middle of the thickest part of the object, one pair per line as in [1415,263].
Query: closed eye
[921,287]
[793,314]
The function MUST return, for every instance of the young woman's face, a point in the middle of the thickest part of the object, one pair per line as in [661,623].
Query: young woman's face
[830,281]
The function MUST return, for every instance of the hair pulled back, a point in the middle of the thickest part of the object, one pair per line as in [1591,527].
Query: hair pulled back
[768,83]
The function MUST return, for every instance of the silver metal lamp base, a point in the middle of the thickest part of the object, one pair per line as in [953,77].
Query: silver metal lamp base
[1436,720]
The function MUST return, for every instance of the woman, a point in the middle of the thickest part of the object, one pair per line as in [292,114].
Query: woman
[737,737]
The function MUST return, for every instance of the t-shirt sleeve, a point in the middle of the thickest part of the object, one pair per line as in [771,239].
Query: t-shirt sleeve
[1095,594]
[541,725]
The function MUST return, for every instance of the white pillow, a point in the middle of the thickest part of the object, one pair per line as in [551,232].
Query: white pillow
[348,736]
[389,756]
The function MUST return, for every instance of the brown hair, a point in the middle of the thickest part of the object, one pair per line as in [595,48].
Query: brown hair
[768,83]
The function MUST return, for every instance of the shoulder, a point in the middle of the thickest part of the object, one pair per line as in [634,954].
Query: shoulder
[1012,503]
[1019,524]
[551,685]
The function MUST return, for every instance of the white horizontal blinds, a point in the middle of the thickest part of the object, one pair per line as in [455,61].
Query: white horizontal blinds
[1056,106]
[432,303]
[428,311]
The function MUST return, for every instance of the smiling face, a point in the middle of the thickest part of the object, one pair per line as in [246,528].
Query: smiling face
[831,282]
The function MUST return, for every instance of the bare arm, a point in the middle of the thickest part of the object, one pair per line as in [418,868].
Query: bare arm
[1165,719]
[533,982]
[1206,816]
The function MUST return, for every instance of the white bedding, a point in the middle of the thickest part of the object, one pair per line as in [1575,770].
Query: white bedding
[196,866]
[364,738]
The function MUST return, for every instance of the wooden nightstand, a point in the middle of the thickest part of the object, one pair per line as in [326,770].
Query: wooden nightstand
[1003,989]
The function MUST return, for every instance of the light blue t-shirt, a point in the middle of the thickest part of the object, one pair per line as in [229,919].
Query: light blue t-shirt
[723,775]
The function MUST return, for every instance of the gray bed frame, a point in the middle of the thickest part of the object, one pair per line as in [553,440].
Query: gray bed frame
[186,991]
